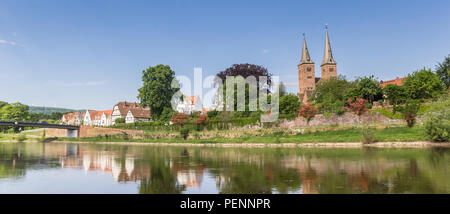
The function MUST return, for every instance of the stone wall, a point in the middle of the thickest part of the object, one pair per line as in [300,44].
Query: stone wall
[348,118]
[92,131]
[55,132]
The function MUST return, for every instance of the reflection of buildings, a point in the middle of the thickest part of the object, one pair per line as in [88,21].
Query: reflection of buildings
[190,178]
[122,169]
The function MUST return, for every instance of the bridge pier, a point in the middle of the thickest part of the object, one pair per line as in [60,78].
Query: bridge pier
[72,133]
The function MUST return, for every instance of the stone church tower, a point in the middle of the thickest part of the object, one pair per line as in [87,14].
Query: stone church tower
[306,74]
[328,65]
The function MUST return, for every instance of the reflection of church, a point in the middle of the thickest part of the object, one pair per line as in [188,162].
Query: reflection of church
[307,79]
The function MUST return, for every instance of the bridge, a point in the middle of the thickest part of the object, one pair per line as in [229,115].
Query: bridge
[72,131]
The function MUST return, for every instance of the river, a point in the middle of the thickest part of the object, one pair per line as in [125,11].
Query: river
[90,168]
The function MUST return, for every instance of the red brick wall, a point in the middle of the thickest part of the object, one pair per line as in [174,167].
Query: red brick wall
[91,131]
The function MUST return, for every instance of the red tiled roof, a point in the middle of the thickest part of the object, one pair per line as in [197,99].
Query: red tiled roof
[140,113]
[397,81]
[124,107]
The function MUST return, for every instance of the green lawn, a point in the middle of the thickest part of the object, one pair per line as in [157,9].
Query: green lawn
[348,135]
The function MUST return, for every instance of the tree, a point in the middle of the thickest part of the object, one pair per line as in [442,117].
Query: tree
[282,90]
[367,88]
[166,114]
[307,111]
[358,106]
[245,70]
[289,104]
[443,71]
[330,93]
[15,112]
[3,104]
[409,111]
[423,84]
[157,91]
[395,94]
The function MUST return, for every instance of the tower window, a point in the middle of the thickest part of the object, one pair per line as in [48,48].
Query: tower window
[308,69]
[309,77]
[331,69]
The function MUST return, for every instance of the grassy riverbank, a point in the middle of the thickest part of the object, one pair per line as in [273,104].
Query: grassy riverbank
[387,134]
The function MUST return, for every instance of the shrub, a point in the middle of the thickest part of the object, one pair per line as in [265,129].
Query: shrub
[179,119]
[307,111]
[409,111]
[358,106]
[119,120]
[437,124]
[184,133]
[125,136]
[368,136]
[212,113]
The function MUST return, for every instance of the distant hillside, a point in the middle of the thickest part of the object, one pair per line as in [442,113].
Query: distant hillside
[48,110]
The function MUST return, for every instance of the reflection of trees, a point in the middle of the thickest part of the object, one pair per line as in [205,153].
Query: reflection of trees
[175,169]
[162,179]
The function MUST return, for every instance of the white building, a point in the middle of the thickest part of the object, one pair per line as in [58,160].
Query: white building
[135,115]
[121,109]
[98,118]
[189,105]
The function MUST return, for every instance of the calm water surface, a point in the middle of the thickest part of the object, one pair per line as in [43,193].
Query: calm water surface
[78,168]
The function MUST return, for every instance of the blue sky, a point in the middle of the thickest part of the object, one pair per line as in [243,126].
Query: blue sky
[90,54]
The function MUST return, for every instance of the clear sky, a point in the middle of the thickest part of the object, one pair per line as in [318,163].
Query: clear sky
[90,54]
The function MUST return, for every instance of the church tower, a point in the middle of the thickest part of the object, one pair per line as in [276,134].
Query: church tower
[306,74]
[328,66]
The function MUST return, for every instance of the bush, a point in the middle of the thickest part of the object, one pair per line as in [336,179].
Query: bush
[359,106]
[21,137]
[368,136]
[184,133]
[307,111]
[409,111]
[437,124]
[119,120]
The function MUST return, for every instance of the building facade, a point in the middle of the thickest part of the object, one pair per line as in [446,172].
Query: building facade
[121,110]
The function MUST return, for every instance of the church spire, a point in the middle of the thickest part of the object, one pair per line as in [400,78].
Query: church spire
[327,55]
[305,53]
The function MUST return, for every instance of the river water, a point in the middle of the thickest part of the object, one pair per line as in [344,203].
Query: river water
[89,168]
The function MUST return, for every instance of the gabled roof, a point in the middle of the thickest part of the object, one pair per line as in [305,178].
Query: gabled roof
[124,107]
[140,113]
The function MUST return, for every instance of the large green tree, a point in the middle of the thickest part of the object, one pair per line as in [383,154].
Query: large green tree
[289,104]
[156,91]
[15,112]
[443,71]
[423,84]
[330,94]
[367,88]
[395,94]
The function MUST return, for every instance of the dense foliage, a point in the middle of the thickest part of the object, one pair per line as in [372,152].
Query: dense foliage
[330,94]
[423,84]
[289,104]
[157,91]
[443,71]
[367,88]
[437,124]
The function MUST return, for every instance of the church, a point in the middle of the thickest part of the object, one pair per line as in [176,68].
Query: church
[307,79]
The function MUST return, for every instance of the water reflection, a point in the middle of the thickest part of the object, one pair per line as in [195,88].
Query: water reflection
[147,169]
